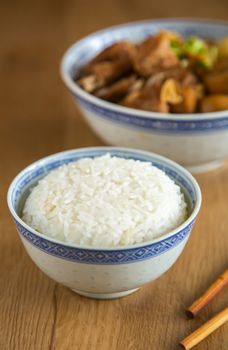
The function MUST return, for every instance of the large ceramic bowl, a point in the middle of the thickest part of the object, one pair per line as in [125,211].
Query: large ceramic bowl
[95,272]
[197,141]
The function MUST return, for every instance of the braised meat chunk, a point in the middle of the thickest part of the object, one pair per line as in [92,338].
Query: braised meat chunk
[165,73]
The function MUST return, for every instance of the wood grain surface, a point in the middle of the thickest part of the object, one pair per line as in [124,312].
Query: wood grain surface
[38,117]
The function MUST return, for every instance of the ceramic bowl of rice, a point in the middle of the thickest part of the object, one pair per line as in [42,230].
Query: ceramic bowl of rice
[104,221]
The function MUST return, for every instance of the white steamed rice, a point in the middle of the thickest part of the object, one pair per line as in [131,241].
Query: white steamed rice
[105,202]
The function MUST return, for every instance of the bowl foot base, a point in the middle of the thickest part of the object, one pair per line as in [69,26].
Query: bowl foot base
[202,168]
[104,295]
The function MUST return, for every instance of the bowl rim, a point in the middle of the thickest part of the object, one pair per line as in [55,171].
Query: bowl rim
[62,154]
[75,88]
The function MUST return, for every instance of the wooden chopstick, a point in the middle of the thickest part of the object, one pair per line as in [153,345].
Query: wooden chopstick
[206,329]
[210,293]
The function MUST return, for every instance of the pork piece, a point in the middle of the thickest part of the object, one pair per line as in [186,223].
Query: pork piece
[190,98]
[171,92]
[109,71]
[90,83]
[137,85]
[102,73]
[112,63]
[214,103]
[181,90]
[117,90]
[155,54]
[115,51]
[179,74]
[147,99]
[175,89]
[217,81]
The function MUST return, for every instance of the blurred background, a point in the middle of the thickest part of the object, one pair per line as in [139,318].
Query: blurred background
[38,116]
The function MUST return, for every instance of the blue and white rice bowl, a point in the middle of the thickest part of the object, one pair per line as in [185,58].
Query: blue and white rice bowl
[197,141]
[108,272]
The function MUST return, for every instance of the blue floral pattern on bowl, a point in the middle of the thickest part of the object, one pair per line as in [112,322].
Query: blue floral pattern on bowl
[104,257]
[29,177]
[156,124]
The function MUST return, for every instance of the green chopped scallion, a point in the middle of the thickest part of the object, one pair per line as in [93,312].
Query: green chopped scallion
[194,46]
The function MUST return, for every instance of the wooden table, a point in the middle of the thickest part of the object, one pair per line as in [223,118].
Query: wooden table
[38,117]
